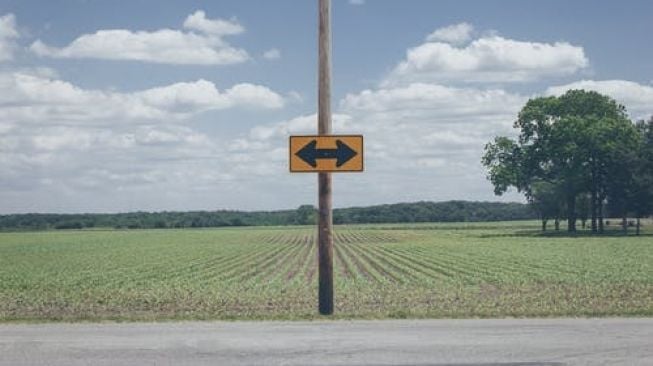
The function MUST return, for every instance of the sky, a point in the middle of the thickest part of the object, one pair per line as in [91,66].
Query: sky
[150,105]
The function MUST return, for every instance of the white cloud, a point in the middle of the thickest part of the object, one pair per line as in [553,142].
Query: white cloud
[166,46]
[272,54]
[295,97]
[97,168]
[8,36]
[432,121]
[488,59]
[62,145]
[455,34]
[254,96]
[37,98]
[637,98]
[418,98]
[306,124]
[85,138]
[426,140]
[62,137]
[198,21]
[203,95]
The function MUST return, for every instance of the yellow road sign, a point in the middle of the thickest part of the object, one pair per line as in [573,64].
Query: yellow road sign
[333,153]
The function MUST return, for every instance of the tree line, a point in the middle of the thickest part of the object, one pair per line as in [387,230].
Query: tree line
[450,211]
[577,156]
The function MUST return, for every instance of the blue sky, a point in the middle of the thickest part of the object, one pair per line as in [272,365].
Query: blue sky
[171,105]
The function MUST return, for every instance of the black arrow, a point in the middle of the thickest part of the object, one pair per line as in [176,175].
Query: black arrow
[310,153]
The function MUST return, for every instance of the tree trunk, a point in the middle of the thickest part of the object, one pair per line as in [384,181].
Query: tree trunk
[557,224]
[544,225]
[584,222]
[571,212]
[624,223]
[638,223]
[594,197]
[600,215]
[594,214]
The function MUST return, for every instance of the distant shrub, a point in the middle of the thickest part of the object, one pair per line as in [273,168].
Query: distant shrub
[66,225]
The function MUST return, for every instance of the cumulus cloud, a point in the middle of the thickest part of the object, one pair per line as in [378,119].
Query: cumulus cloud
[272,54]
[202,44]
[198,21]
[8,36]
[432,121]
[35,97]
[111,150]
[455,34]
[637,98]
[57,168]
[419,98]
[490,58]
[305,124]
[203,95]
[68,148]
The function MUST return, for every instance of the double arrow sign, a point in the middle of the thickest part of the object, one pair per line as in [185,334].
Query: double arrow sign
[333,153]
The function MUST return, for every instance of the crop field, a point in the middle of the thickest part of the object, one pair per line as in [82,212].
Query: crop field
[427,270]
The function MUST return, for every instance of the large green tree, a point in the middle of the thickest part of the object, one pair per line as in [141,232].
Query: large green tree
[640,199]
[573,142]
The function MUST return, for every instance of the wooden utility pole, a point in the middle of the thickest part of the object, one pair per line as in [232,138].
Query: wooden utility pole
[325,219]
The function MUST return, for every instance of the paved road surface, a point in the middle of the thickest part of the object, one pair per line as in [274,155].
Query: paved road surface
[533,342]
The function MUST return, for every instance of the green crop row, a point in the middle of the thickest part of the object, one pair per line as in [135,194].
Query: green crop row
[380,271]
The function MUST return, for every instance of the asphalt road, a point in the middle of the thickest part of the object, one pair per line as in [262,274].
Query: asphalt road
[529,342]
